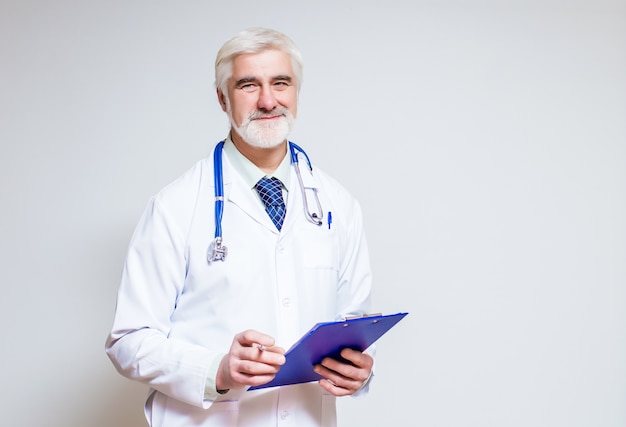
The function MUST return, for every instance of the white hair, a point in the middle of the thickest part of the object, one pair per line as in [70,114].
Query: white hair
[254,40]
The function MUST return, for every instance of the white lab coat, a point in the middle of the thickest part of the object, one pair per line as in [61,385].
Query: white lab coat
[176,313]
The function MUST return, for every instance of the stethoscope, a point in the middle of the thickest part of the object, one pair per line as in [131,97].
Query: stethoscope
[217,251]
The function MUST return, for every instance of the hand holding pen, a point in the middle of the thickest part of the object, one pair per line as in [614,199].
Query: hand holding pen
[253,359]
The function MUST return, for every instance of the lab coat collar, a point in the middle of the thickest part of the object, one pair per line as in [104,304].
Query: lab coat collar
[237,191]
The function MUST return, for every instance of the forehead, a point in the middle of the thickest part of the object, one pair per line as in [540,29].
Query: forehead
[264,65]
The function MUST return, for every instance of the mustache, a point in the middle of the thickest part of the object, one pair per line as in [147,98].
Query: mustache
[260,114]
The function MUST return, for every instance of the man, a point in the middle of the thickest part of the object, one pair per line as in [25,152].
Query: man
[200,319]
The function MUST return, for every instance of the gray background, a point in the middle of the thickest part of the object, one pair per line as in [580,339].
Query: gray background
[486,141]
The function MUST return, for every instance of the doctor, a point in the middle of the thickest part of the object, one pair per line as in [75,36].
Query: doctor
[200,329]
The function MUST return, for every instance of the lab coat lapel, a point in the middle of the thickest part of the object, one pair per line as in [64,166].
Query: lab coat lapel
[295,203]
[237,192]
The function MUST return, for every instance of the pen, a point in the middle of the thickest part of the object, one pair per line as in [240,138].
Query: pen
[330,219]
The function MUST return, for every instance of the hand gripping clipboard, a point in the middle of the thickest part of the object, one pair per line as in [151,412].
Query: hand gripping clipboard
[327,339]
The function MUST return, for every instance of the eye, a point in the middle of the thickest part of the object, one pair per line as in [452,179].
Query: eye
[281,85]
[249,87]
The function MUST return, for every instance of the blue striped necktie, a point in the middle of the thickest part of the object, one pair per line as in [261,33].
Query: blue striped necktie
[271,192]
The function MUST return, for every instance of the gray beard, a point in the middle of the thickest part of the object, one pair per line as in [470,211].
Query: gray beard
[265,135]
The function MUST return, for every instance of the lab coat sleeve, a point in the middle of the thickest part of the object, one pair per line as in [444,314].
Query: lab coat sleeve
[152,280]
[355,278]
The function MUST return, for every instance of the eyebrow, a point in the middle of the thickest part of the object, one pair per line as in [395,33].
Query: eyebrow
[283,77]
[245,80]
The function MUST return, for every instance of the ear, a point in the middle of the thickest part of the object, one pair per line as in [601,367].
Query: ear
[222,99]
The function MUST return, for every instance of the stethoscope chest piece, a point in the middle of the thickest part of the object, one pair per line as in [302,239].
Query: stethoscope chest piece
[217,252]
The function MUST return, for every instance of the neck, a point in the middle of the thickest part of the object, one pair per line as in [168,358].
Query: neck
[266,159]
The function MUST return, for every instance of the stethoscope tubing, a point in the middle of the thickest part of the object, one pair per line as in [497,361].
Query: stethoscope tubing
[216,250]
[218,178]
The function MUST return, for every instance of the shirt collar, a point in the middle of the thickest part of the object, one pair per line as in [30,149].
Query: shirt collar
[250,172]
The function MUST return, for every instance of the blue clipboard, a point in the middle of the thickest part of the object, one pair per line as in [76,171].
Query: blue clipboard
[327,339]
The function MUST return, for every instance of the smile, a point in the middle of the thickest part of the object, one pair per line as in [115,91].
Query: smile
[268,117]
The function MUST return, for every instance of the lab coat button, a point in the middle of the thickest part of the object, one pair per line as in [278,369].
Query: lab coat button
[284,414]
[281,249]
[286,302]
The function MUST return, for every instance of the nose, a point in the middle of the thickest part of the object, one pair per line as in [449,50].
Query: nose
[267,100]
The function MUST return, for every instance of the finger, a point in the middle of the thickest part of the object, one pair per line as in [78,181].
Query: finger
[272,349]
[251,367]
[273,355]
[345,370]
[358,358]
[345,375]
[249,372]
[250,337]
[252,380]
[337,379]
[333,389]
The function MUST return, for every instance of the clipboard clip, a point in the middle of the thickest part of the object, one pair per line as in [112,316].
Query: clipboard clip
[360,316]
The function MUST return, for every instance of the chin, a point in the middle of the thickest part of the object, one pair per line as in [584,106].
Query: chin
[265,136]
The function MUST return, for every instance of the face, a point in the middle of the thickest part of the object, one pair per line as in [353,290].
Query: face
[262,98]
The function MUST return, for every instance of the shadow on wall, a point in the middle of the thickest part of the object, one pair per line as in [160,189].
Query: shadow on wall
[116,400]
[118,404]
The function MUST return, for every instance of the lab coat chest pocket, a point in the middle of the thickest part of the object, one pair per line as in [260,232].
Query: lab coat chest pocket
[316,252]
[318,248]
